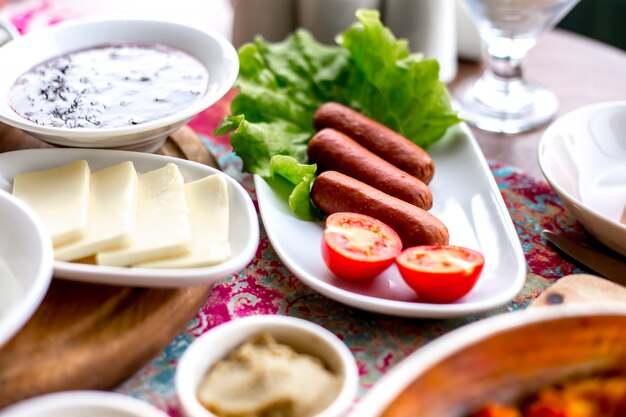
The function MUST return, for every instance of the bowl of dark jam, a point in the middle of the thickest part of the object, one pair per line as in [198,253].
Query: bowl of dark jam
[121,84]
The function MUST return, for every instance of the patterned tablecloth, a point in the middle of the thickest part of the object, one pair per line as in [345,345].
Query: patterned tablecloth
[378,342]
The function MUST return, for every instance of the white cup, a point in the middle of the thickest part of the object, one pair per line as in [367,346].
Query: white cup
[272,19]
[430,27]
[325,19]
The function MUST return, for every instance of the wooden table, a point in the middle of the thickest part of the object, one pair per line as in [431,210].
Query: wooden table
[580,71]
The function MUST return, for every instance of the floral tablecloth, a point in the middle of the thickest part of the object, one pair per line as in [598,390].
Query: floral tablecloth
[265,286]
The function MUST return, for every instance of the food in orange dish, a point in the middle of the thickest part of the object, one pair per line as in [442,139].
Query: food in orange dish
[497,410]
[589,397]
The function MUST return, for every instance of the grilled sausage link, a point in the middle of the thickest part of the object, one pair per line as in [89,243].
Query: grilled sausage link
[378,138]
[332,150]
[334,192]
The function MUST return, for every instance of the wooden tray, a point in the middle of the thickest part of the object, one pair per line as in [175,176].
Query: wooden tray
[90,336]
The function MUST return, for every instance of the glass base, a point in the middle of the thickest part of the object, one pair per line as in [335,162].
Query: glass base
[504,113]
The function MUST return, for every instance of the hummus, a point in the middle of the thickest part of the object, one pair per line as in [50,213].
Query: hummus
[263,378]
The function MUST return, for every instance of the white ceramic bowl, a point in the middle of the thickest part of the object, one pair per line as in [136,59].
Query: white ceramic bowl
[25,264]
[505,359]
[81,404]
[583,157]
[211,49]
[302,335]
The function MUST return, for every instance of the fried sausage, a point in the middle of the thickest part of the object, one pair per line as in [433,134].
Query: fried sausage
[378,138]
[334,192]
[332,150]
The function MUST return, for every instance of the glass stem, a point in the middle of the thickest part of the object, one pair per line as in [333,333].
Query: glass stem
[502,87]
[505,68]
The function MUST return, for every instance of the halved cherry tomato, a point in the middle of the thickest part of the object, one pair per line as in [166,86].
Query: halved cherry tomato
[440,273]
[358,247]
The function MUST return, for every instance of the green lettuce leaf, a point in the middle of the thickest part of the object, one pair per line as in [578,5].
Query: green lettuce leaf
[293,180]
[389,84]
[282,84]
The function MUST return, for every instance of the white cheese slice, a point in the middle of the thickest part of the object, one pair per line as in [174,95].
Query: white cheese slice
[60,196]
[207,199]
[112,207]
[162,222]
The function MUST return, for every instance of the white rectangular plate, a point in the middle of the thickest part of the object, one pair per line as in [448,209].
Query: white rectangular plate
[244,228]
[466,199]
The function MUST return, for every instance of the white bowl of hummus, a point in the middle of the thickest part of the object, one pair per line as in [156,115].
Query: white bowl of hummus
[82,403]
[116,83]
[266,364]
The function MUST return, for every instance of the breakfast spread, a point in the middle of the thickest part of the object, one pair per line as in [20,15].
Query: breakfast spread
[263,377]
[109,86]
[368,179]
[120,218]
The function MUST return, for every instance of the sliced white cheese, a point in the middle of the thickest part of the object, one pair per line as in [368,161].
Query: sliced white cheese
[60,196]
[207,199]
[162,222]
[112,207]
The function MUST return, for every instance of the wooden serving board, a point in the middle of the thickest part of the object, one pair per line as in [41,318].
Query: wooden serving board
[90,336]
[580,288]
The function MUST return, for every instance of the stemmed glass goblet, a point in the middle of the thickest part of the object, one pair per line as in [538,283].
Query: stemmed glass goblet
[501,100]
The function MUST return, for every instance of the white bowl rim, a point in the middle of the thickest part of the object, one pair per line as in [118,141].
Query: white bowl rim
[34,294]
[67,400]
[549,134]
[187,395]
[396,380]
[89,133]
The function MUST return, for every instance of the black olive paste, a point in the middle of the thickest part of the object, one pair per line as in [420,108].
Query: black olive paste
[109,86]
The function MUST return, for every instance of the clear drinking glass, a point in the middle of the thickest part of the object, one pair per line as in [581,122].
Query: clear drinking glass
[501,100]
